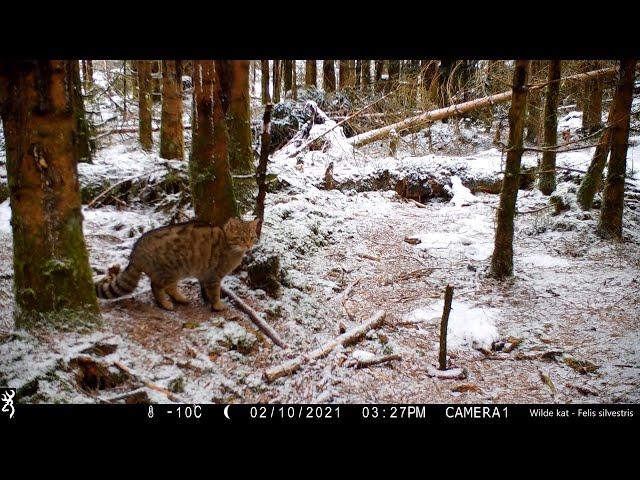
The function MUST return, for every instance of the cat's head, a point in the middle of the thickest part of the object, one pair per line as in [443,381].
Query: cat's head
[240,233]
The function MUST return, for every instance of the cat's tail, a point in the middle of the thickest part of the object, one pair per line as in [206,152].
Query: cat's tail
[116,283]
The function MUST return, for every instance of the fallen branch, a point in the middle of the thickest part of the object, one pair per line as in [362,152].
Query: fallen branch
[253,316]
[458,109]
[348,338]
[448,297]
[115,185]
[377,360]
[170,395]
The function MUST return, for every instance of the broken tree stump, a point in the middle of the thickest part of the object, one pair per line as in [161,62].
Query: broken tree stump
[444,323]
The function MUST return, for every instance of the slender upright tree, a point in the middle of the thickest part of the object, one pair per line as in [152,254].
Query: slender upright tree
[266,95]
[155,87]
[144,104]
[379,85]
[610,224]
[344,74]
[358,71]
[85,133]
[502,259]
[366,74]
[310,74]
[547,177]
[328,76]
[171,135]
[592,180]
[534,104]
[277,82]
[294,81]
[394,75]
[52,276]
[287,66]
[211,183]
[592,99]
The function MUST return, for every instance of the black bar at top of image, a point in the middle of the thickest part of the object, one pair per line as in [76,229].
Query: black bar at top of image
[334,414]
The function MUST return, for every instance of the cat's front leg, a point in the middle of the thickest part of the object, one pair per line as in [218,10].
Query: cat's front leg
[212,289]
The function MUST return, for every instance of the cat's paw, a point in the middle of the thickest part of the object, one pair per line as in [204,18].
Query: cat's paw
[218,306]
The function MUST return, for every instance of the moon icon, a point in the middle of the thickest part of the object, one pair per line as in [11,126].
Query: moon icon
[226,412]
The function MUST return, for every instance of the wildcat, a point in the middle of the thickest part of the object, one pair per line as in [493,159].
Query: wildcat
[169,254]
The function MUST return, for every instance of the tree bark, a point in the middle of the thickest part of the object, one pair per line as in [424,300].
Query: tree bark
[534,105]
[88,79]
[328,76]
[358,71]
[547,177]
[156,81]
[261,173]
[52,276]
[344,75]
[592,180]
[211,183]
[171,134]
[310,73]
[294,81]
[444,323]
[266,95]
[502,259]
[144,104]
[610,224]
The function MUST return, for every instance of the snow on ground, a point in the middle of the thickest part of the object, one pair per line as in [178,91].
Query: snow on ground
[573,298]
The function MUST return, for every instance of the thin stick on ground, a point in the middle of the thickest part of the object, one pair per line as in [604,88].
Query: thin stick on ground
[116,185]
[253,316]
[348,338]
[377,360]
[444,323]
[170,395]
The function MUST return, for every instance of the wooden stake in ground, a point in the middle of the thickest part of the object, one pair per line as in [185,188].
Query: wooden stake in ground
[253,316]
[348,338]
[444,323]
[261,172]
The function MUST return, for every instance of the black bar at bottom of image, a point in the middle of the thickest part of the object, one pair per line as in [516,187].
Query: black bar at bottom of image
[348,414]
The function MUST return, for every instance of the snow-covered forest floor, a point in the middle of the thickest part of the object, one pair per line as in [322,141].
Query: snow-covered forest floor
[569,318]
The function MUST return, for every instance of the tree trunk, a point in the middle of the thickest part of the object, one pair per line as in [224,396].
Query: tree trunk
[88,79]
[592,101]
[266,96]
[276,80]
[171,136]
[610,224]
[288,77]
[394,76]
[294,81]
[85,133]
[211,184]
[344,74]
[366,74]
[52,276]
[310,74]
[502,259]
[379,84]
[358,72]
[144,104]
[547,177]
[328,76]
[592,180]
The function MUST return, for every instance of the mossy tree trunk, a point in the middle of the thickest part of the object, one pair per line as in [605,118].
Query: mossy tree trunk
[85,133]
[610,224]
[592,100]
[144,104]
[171,134]
[547,177]
[277,82]
[328,76]
[211,183]
[266,95]
[379,84]
[52,276]
[502,258]
[311,73]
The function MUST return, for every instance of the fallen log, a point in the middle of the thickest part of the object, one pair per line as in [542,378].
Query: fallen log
[253,316]
[460,108]
[348,338]
[377,360]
